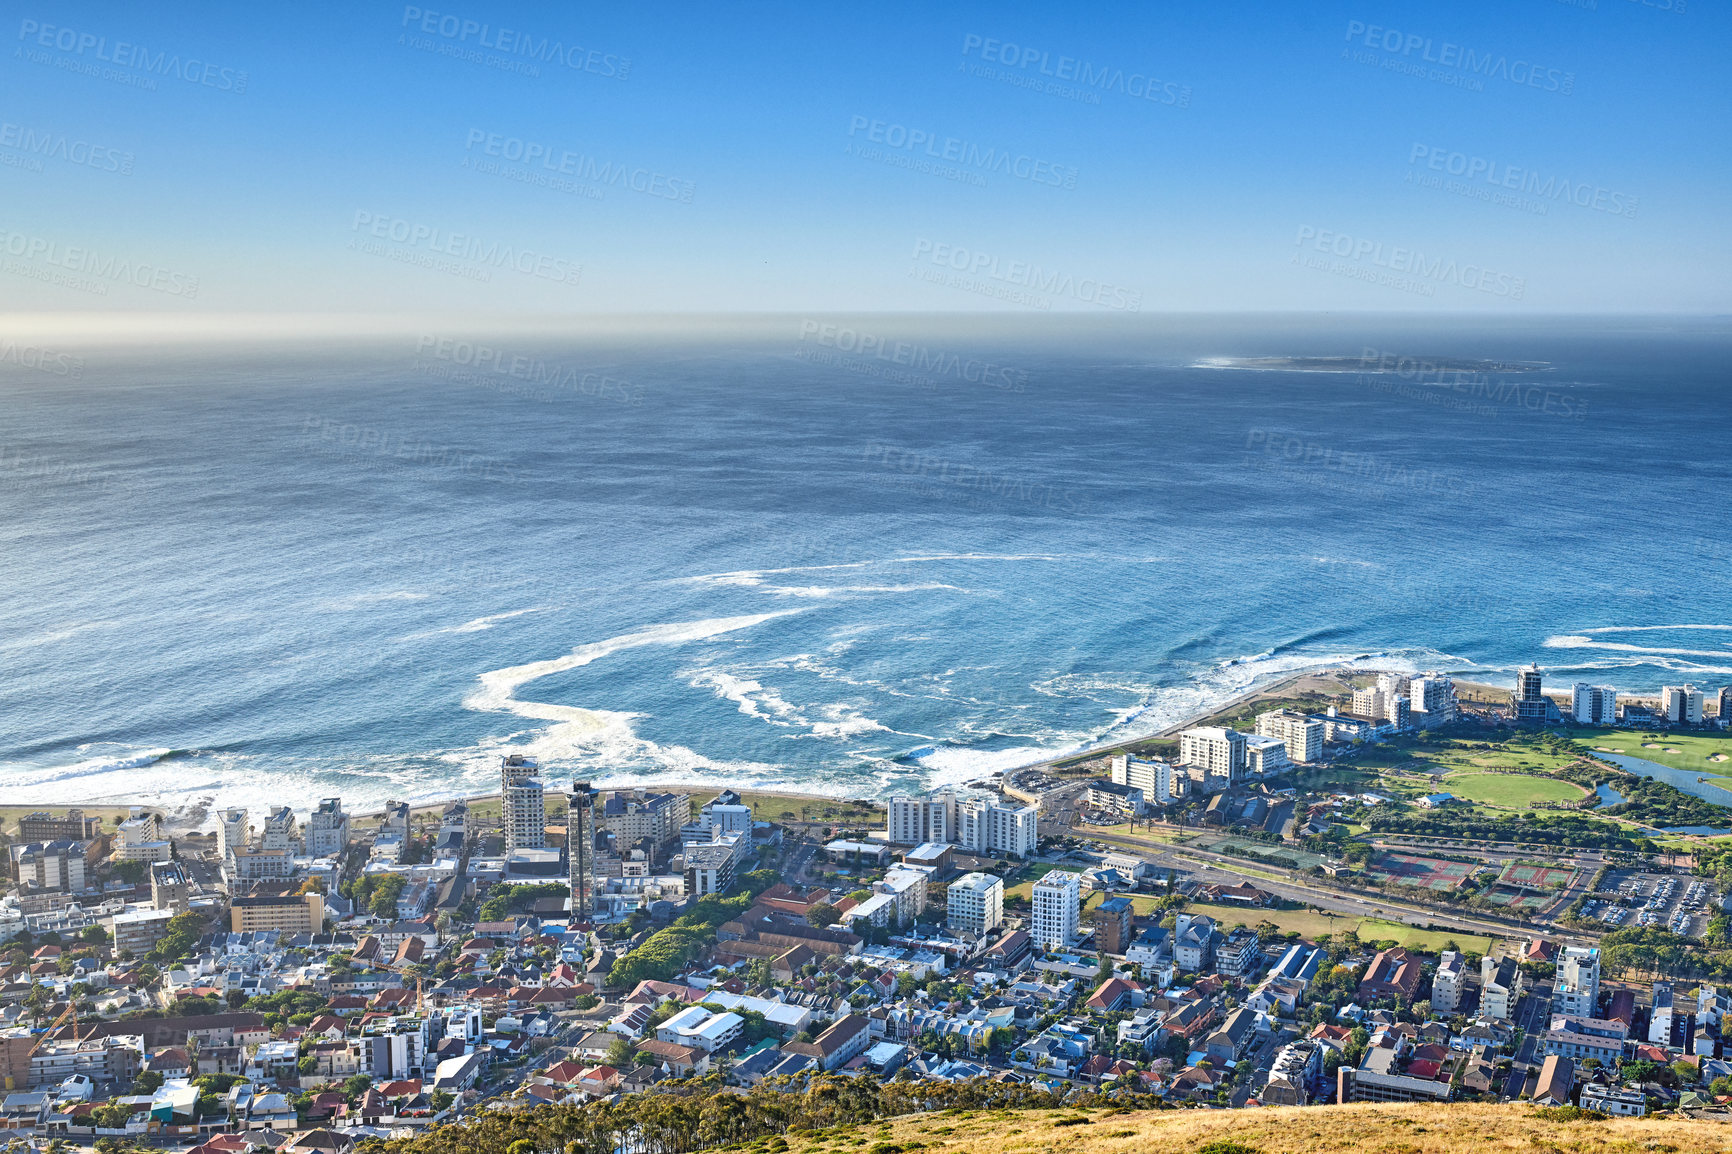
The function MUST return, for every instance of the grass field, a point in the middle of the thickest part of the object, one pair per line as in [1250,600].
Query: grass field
[1414,938]
[1025,888]
[1695,751]
[1510,790]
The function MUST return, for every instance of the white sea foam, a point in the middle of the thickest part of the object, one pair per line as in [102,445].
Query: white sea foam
[60,634]
[480,624]
[1650,628]
[578,734]
[1581,641]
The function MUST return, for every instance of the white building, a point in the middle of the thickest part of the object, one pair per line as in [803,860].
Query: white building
[915,820]
[1266,756]
[231,831]
[696,1026]
[328,829]
[1217,751]
[975,902]
[279,830]
[523,808]
[1057,906]
[1433,700]
[1660,1019]
[1152,775]
[1577,989]
[1303,735]
[396,819]
[1594,704]
[979,824]
[1682,704]
[139,840]
[1448,983]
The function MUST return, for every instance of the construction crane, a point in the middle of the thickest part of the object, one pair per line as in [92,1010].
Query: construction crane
[71,1009]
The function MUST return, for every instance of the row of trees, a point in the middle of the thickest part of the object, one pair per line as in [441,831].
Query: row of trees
[667,951]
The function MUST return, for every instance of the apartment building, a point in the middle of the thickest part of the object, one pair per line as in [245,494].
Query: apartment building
[1449,982]
[634,815]
[328,829]
[300,914]
[975,902]
[523,808]
[1681,704]
[1576,990]
[72,826]
[231,831]
[1218,752]
[1500,987]
[1594,704]
[980,824]
[278,832]
[1057,905]
[1302,735]
[1433,700]
[136,929]
[1152,775]
[168,887]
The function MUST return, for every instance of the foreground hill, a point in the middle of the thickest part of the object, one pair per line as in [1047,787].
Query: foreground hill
[1374,1129]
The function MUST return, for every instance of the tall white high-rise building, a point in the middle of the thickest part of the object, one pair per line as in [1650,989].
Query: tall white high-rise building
[1725,704]
[328,829]
[1449,981]
[1682,704]
[917,820]
[1303,735]
[1153,775]
[975,902]
[1594,704]
[1433,699]
[1577,989]
[1218,751]
[278,834]
[1057,906]
[523,809]
[231,832]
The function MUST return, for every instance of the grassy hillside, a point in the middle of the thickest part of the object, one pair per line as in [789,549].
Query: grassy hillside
[1374,1129]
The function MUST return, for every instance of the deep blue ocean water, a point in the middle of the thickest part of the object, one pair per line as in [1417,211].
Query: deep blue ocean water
[754,553]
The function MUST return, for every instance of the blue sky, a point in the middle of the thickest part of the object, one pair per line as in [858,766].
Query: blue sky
[1528,156]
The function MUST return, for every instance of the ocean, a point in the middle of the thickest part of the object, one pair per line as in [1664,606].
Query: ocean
[851,556]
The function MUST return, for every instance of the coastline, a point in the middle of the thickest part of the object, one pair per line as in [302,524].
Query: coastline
[195,814]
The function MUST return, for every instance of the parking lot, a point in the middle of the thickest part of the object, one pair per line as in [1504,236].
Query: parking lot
[1682,904]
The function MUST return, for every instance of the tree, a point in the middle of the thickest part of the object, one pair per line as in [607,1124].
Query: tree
[619,1054]
[442,1100]
[823,914]
[148,1082]
[354,1087]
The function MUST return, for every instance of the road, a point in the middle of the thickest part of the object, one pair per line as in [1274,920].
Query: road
[1533,1015]
[1171,857]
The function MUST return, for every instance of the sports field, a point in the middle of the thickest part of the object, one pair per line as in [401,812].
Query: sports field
[1536,877]
[1424,872]
[1705,753]
[1510,790]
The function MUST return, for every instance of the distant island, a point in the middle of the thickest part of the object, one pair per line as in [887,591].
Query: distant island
[1373,361]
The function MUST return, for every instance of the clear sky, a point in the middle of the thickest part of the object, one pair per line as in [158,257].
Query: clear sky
[510,158]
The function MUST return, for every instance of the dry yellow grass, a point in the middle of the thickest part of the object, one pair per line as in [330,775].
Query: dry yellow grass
[1456,1128]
